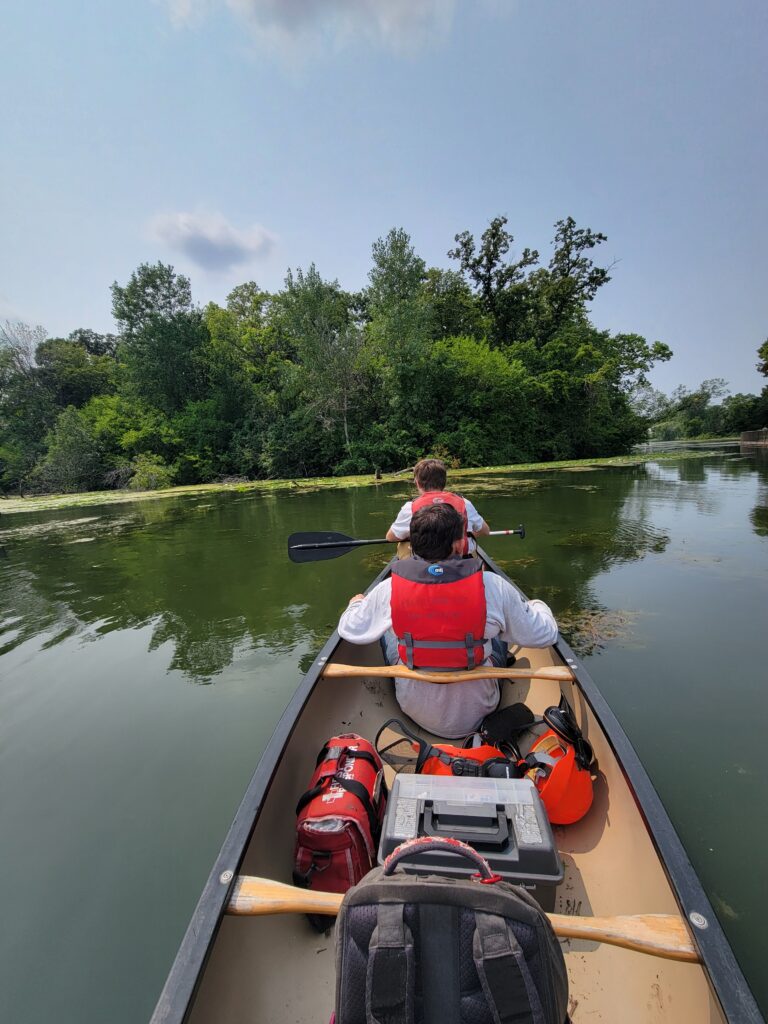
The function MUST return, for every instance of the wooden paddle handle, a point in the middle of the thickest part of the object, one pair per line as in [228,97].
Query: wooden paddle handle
[559,673]
[664,935]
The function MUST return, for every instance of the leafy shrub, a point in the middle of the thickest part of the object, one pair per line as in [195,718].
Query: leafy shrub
[150,473]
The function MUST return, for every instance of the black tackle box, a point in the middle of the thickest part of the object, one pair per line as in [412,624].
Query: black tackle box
[503,819]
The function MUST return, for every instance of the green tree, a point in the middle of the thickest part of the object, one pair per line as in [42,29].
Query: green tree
[762,352]
[649,403]
[693,413]
[162,336]
[70,373]
[247,303]
[584,382]
[125,427]
[153,290]
[475,404]
[317,316]
[455,312]
[27,410]
[573,279]
[93,343]
[400,327]
[500,284]
[74,460]
[744,412]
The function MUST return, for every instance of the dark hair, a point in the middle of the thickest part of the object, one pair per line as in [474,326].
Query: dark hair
[434,529]
[430,474]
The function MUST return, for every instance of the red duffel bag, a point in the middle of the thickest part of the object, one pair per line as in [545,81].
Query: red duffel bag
[339,818]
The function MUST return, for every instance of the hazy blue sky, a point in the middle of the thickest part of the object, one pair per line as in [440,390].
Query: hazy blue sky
[235,138]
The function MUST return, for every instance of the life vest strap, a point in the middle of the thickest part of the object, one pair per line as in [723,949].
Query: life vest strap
[469,643]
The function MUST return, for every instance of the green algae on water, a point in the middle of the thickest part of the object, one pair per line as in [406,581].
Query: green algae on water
[44,502]
[588,630]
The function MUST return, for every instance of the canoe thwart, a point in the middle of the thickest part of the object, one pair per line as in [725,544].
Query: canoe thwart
[663,935]
[559,673]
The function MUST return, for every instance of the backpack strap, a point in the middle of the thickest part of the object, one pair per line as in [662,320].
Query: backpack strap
[439,963]
[390,978]
[507,983]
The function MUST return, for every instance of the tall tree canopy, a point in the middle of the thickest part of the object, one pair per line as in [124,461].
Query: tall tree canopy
[493,361]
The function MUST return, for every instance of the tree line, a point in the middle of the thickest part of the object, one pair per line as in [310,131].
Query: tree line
[705,411]
[494,361]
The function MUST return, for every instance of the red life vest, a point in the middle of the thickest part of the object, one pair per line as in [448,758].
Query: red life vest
[438,613]
[445,498]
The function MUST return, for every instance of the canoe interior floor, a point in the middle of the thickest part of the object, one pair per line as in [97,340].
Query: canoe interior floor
[278,970]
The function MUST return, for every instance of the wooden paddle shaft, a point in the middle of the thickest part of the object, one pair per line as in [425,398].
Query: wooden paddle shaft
[663,935]
[559,673]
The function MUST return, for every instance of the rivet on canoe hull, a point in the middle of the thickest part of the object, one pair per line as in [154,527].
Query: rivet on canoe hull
[698,919]
[226,876]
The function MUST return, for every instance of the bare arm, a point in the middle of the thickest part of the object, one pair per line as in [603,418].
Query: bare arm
[484,530]
[393,536]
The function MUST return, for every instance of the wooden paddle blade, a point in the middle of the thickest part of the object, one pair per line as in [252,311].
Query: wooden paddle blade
[663,935]
[340,541]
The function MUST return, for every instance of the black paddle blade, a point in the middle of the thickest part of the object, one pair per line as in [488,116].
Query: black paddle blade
[315,547]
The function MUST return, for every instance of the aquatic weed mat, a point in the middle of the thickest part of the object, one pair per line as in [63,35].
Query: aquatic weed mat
[45,502]
[589,630]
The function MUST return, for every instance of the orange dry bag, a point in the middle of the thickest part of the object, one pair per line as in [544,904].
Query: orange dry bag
[444,759]
[405,751]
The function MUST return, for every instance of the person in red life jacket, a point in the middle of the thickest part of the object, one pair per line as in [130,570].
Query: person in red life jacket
[430,476]
[439,610]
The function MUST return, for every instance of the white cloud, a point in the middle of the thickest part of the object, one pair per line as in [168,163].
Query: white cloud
[400,25]
[210,241]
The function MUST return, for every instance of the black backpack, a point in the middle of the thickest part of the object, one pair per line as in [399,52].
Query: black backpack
[414,949]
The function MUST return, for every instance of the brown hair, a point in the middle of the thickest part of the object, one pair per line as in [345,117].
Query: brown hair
[430,474]
[434,529]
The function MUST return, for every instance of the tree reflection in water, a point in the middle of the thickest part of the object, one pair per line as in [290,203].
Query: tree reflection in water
[210,575]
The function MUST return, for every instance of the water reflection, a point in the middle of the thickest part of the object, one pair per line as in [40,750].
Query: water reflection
[758,517]
[211,579]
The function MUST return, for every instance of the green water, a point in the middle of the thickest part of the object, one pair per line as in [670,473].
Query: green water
[147,651]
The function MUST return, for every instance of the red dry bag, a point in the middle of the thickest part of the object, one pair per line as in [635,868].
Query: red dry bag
[339,818]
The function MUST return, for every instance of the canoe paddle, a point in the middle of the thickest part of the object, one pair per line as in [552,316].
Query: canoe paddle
[664,935]
[315,547]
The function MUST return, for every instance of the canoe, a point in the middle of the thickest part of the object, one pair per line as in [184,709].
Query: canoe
[623,858]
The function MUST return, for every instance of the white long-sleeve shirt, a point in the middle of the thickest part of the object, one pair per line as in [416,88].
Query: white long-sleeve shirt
[454,710]
[401,527]
[402,524]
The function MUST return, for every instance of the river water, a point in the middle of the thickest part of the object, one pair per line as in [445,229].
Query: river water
[147,650]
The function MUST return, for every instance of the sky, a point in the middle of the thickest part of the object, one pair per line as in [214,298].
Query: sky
[237,138]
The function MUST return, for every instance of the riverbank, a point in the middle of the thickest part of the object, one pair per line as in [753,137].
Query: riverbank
[44,502]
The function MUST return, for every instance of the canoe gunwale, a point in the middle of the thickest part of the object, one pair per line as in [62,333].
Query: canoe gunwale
[718,961]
